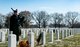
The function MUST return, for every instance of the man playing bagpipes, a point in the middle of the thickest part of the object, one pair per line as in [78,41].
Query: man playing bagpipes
[15,23]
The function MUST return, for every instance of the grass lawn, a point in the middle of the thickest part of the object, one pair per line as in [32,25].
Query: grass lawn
[67,42]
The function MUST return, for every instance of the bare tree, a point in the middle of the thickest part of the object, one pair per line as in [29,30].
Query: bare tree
[70,18]
[57,19]
[45,19]
[7,21]
[41,18]
[2,20]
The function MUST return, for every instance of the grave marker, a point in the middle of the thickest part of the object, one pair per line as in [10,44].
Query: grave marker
[51,35]
[63,34]
[2,36]
[31,38]
[12,40]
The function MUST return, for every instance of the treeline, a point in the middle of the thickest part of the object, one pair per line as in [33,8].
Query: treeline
[42,19]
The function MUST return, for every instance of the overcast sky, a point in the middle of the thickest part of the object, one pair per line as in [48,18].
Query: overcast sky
[51,6]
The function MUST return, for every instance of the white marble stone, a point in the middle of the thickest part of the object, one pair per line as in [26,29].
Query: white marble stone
[66,33]
[2,36]
[57,34]
[31,38]
[37,33]
[23,33]
[51,35]
[63,34]
[44,38]
[69,32]
[12,40]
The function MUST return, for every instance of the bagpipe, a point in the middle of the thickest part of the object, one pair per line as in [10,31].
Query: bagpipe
[22,20]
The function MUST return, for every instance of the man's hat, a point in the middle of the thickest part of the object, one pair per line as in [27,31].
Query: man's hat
[15,11]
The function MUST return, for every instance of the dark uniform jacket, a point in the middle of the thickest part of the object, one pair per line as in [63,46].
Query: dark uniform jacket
[15,22]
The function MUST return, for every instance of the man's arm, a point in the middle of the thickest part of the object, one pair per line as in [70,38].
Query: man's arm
[21,20]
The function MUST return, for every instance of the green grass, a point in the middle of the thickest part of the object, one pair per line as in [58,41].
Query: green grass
[67,42]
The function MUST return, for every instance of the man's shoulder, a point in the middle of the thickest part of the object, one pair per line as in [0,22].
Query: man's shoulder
[12,16]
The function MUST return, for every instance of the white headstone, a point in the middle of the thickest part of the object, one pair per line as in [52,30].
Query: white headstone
[44,38]
[72,31]
[2,36]
[57,33]
[62,34]
[69,32]
[51,36]
[23,33]
[66,33]
[31,38]
[37,33]
[12,40]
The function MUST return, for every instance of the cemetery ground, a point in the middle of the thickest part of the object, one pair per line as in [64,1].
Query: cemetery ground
[73,41]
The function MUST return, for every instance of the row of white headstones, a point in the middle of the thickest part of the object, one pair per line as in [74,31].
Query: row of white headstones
[65,32]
